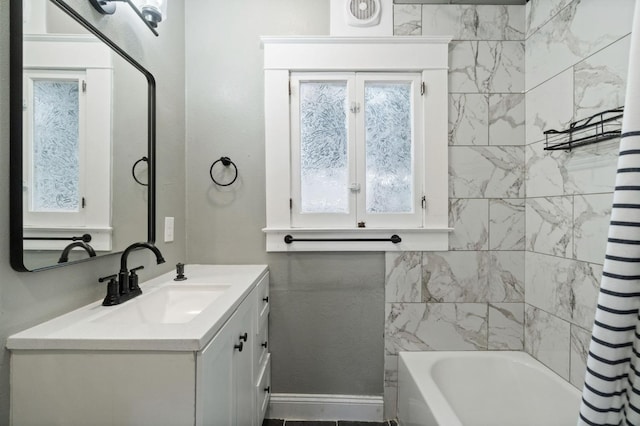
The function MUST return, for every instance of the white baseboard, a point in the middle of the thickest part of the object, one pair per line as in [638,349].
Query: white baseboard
[295,406]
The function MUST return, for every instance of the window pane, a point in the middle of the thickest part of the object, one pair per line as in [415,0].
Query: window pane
[323,147]
[55,146]
[388,147]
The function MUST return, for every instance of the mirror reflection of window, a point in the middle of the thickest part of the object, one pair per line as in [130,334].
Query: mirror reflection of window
[54,181]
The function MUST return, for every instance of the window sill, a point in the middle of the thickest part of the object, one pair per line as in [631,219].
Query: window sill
[414,239]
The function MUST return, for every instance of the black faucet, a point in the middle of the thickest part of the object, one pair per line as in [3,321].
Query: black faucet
[64,257]
[127,285]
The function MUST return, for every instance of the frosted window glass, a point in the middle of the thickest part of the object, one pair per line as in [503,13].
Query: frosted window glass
[323,147]
[388,147]
[56,167]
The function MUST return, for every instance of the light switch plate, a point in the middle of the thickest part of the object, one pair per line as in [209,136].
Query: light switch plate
[168,229]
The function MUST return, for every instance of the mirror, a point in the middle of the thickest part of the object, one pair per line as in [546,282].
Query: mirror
[82,140]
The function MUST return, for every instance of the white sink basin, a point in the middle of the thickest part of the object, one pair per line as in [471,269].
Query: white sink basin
[171,304]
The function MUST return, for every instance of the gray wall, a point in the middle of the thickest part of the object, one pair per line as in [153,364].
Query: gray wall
[327,313]
[30,298]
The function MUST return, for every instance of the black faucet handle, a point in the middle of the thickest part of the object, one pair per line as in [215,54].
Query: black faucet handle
[133,270]
[108,277]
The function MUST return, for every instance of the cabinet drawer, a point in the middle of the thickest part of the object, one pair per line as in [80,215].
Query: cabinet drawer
[262,291]
[263,389]
[262,345]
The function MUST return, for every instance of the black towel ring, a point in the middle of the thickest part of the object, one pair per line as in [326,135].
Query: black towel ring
[133,170]
[226,161]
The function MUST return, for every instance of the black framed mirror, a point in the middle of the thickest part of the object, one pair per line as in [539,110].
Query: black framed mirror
[82,148]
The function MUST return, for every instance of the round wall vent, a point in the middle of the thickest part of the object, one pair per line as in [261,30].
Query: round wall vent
[363,13]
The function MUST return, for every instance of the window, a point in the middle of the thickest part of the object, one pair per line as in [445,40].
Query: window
[356,143]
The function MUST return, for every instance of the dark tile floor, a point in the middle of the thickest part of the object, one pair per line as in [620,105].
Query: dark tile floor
[279,422]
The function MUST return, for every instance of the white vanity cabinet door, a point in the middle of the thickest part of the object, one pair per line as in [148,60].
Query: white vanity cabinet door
[225,377]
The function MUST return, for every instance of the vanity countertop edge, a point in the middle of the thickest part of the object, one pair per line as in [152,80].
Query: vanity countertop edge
[77,330]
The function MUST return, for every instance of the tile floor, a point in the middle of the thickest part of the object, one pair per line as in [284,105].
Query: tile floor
[277,422]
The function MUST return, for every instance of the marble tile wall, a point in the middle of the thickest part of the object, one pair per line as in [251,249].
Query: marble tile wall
[576,65]
[472,296]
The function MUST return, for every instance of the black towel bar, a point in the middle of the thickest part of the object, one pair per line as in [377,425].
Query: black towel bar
[395,239]
[85,237]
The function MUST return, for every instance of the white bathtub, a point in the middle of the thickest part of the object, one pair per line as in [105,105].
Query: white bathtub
[482,389]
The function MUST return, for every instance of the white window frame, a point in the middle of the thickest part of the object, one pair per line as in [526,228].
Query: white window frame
[86,56]
[427,56]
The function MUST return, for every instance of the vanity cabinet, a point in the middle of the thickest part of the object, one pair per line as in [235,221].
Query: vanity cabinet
[224,382]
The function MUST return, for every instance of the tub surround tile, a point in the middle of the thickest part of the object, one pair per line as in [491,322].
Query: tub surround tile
[506,326]
[435,326]
[486,67]
[486,172]
[591,217]
[600,80]
[506,224]
[565,288]
[547,339]
[468,119]
[549,225]
[540,12]
[506,276]
[580,340]
[470,220]
[390,403]
[506,119]
[403,276]
[455,276]
[588,170]
[549,106]
[569,37]
[391,370]
[407,20]
[469,22]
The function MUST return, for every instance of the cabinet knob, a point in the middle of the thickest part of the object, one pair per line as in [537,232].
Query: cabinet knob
[266,299]
[238,346]
[244,337]
[264,345]
[267,389]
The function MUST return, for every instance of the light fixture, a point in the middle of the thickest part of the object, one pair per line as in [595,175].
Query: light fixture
[150,11]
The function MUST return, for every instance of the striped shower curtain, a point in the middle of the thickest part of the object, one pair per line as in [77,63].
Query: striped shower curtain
[611,393]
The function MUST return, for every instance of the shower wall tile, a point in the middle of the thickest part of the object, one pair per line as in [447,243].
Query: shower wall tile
[540,12]
[403,276]
[565,288]
[600,80]
[506,119]
[506,224]
[469,22]
[407,20]
[435,326]
[468,119]
[547,338]
[591,217]
[390,402]
[486,66]
[506,326]
[549,106]
[580,339]
[570,37]
[506,276]
[391,370]
[470,220]
[549,225]
[588,170]
[452,276]
[486,172]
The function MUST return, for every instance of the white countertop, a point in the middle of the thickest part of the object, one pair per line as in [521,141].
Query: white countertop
[78,330]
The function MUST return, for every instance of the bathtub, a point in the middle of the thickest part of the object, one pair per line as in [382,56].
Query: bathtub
[482,389]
